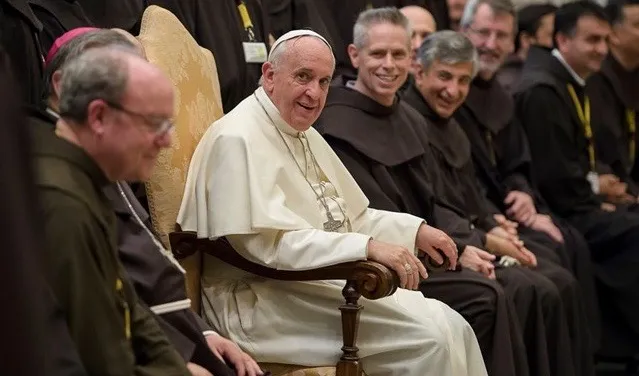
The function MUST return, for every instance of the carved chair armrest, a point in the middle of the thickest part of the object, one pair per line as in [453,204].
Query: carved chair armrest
[363,278]
[373,280]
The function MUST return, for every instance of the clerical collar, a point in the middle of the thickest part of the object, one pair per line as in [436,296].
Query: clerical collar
[555,52]
[52,113]
[274,114]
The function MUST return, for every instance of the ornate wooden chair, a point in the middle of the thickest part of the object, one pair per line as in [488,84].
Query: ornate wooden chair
[198,104]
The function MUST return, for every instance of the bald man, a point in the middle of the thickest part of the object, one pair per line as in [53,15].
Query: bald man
[422,24]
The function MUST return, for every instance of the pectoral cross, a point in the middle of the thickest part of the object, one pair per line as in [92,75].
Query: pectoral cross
[332,225]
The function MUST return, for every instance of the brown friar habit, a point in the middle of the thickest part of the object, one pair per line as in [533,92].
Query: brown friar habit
[35,337]
[58,17]
[614,96]
[393,165]
[560,164]
[452,151]
[113,332]
[509,74]
[502,163]
[217,26]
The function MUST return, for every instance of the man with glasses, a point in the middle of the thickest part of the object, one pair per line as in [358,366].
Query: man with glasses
[157,278]
[501,158]
[94,145]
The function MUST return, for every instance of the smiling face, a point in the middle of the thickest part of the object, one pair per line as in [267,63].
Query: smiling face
[130,140]
[492,35]
[587,47]
[298,81]
[445,86]
[383,63]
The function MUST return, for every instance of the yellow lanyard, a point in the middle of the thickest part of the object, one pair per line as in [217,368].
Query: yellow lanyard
[127,312]
[632,130]
[584,117]
[369,5]
[246,20]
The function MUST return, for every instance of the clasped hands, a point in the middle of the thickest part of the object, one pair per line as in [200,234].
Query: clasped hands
[522,209]
[405,263]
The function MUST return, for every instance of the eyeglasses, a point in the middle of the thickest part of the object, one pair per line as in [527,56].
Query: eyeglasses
[485,34]
[158,127]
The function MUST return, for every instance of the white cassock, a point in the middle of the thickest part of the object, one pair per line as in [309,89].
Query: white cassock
[243,183]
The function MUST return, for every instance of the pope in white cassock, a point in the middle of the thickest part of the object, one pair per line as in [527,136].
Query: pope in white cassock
[262,177]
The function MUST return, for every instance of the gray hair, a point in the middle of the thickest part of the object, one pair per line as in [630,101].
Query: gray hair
[448,47]
[376,16]
[277,54]
[497,6]
[78,45]
[98,73]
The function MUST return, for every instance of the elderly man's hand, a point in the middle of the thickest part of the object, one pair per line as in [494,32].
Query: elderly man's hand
[401,260]
[505,247]
[431,240]
[230,352]
[478,260]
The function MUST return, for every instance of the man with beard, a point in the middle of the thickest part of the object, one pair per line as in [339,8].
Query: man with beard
[535,24]
[364,121]
[614,92]
[502,160]
[555,113]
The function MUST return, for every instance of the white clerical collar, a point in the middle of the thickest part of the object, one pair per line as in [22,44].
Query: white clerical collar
[273,113]
[54,114]
[555,52]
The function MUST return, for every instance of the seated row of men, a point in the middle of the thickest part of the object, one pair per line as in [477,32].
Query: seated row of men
[299,176]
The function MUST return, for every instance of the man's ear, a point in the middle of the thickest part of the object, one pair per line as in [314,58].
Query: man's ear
[56,82]
[562,41]
[613,38]
[418,73]
[353,54]
[267,76]
[96,111]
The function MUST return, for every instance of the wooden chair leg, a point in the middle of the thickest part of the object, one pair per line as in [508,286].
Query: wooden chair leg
[349,364]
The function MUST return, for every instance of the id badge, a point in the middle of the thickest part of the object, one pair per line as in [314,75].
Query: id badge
[254,52]
[593,179]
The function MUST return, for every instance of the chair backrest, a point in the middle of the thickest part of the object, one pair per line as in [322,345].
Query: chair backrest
[198,103]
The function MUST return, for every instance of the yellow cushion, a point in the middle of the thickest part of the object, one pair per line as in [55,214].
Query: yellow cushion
[198,104]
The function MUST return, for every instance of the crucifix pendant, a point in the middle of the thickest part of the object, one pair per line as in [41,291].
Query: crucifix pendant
[332,224]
